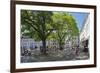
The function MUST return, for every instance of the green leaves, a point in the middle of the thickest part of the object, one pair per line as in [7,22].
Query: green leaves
[37,22]
[48,25]
[64,25]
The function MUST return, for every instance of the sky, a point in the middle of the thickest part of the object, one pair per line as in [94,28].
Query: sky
[79,17]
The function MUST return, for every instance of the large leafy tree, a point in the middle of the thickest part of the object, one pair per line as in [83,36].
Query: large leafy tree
[64,25]
[36,24]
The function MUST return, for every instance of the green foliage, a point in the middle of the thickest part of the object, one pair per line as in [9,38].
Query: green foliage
[72,25]
[48,25]
[37,23]
[64,25]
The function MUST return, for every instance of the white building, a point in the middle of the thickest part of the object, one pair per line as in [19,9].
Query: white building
[84,33]
[27,43]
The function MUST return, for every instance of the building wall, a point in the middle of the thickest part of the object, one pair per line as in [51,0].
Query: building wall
[28,43]
[84,33]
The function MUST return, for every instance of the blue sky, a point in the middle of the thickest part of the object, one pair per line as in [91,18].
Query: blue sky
[79,17]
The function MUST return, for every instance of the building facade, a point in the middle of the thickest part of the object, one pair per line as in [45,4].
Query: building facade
[29,43]
[84,33]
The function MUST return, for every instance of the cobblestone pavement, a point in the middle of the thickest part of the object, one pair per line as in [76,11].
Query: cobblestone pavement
[63,55]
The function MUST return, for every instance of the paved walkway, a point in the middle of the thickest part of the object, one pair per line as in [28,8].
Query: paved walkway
[63,55]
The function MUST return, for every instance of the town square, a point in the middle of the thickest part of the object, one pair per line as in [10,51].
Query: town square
[54,36]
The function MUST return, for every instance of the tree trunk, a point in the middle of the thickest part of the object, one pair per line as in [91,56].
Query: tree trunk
[44,47]
[60,46]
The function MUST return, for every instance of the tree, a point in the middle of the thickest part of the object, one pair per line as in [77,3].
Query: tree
[62,23]
[36,24]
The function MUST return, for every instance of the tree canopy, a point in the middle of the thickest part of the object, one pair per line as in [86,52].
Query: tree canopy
[36,24]
[44,25]
[63,24]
